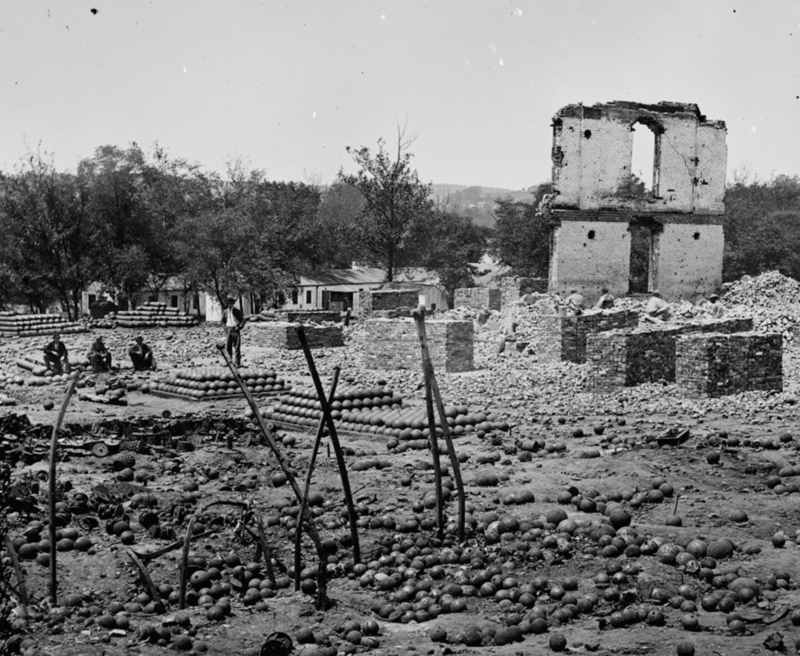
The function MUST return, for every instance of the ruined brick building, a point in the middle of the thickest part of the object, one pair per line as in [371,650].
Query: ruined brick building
[608,230]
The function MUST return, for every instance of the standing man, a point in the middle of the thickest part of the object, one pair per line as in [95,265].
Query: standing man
[56,356]
[141,355]
[99,357]
[233,322]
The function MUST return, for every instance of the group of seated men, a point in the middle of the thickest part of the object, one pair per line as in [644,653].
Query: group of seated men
[56,356]
[656,309]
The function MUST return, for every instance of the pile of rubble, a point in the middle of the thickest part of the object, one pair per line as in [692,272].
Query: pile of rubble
[772,299]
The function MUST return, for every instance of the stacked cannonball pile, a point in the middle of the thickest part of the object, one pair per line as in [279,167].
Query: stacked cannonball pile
[377,411]
[208,383]
[33,325]
[153,315]
[39,370]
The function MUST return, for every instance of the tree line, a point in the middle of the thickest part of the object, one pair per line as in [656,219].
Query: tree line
[134,221]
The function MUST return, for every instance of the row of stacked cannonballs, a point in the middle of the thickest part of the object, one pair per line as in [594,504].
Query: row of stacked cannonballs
[207,383]
[151,315]
[39,370]
[33,325]
[377,411]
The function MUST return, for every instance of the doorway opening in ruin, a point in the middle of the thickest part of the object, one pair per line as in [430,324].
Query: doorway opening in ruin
[645,158]
[644,233]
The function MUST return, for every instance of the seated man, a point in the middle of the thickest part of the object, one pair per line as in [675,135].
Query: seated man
[657,309]
[141,355]
[56,357]
[714,307]
[99,357]
[575,302]
[606,301]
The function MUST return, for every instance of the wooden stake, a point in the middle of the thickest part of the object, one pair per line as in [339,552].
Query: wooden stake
[307,487]
[337,447]
[185,564]
[154,595]
[419,320]
[322,576]
[52,487]
[451,450]
[12,553]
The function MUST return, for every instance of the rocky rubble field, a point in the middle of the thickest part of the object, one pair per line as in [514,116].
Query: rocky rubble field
[642,522]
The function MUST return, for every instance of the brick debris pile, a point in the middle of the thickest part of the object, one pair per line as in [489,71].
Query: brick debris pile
[393,344]
[34,325]
[282,335]
[772,299]
[152,314]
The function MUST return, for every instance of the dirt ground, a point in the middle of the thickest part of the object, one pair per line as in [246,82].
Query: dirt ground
[599,447]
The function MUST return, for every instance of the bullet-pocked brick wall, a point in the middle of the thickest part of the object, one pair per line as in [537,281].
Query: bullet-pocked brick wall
[624,358]
[564,338]
[280,335]
[478,298]
[394,344]
[319,316]
[593,155]
[512,288]
[378,300]
[714,364]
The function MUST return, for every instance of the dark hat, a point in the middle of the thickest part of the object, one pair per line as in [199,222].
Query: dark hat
[138,338]
[231,299]
[713,297]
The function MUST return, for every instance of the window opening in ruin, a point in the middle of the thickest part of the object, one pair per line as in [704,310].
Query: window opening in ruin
[587,134]
[591,234]
[641,254]
[644,161]
[308,297]
[696,235]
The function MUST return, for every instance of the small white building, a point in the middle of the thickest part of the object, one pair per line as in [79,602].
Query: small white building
[338,289]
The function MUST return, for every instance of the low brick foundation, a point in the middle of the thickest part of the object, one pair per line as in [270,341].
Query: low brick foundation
[393,344]
[564,338]
[478,298]
[280,335]
[715,364]
[317,316]
[624,358]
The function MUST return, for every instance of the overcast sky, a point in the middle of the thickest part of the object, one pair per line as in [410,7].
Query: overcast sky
[288,85]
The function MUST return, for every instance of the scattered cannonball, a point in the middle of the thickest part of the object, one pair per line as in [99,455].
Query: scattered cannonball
[713,457]
[48,405]
[739,516]
[685,648]
[558,642]
[779,540]
[182,642]
[127,537]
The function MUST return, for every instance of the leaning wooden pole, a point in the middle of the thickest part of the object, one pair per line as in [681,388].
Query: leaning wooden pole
[448,437]
[298,538]
[419,320]
[337,447]
[322,575]
[73,382]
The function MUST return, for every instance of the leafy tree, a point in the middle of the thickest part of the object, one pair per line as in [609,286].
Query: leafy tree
[522,237]
[762,226]
[454,246]
[339,210]
[51,240]
[396,204]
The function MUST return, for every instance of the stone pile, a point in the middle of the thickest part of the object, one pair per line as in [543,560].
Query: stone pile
[33,325]
[282,335]
[714,364]
[771,298]
[210,383]
[394,344]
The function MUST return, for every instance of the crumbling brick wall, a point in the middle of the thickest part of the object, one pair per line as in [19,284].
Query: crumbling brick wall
[394,344]
[513,287]
[318,316]
[382,300]
[594,203]
[478,298]
[624,358]
[564,338]
[714,364]
[280,335]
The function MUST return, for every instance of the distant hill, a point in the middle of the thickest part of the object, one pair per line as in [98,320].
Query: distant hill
[477,202]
